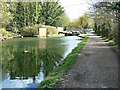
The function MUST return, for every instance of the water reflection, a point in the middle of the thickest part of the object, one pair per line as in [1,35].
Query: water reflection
[25,65]
[42,43]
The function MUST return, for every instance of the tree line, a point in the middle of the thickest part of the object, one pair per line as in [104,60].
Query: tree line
[82,22]
[106,16]
[17,15]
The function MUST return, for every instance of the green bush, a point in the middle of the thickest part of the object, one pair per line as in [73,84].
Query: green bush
[3,32]
[30,31]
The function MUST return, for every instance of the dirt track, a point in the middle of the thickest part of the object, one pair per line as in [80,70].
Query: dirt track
[95,67]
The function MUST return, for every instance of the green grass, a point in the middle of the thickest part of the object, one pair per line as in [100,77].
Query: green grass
[53,78]
[115,47]
[103,38]
[111,43]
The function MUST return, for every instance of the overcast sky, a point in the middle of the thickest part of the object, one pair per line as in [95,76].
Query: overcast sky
[75,8]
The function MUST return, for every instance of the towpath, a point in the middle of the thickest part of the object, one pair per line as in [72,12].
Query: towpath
[95,67]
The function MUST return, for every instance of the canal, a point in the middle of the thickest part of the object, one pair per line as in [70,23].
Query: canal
[26,62]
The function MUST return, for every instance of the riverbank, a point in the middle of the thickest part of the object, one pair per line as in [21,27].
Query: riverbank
[95,67]
[53,78]
[5,35]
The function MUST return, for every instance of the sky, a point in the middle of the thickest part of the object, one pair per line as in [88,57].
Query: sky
[75,8]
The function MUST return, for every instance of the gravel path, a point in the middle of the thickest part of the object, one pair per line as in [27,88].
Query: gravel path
[95,67]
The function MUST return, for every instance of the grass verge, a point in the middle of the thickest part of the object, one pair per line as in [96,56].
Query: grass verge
[104,38]
[54,77]
[112,44]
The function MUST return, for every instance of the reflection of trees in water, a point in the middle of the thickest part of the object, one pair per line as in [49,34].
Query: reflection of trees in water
[26,62]
[7,55]
[50,60]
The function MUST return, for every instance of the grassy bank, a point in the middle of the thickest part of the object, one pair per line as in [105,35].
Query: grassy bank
[112,44]
[52,79]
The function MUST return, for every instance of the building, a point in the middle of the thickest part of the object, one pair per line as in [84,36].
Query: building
[50,31]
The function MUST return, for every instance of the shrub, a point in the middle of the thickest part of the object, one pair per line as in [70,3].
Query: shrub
[3,32]
[30,31]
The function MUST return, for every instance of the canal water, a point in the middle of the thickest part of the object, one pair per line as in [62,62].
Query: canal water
[26,62]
